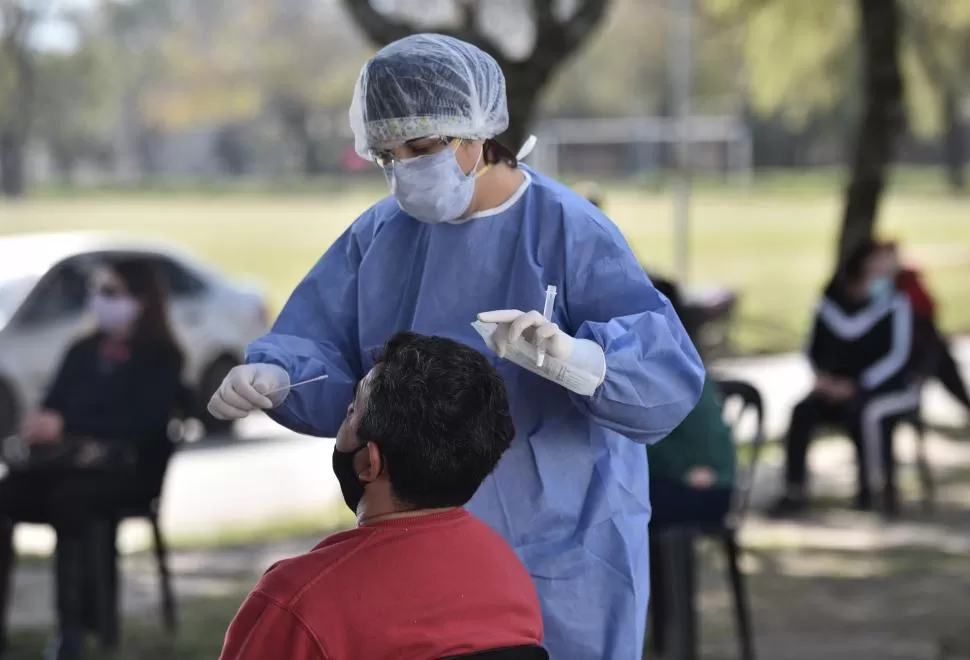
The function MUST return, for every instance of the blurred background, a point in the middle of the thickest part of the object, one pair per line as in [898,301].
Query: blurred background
[742,146]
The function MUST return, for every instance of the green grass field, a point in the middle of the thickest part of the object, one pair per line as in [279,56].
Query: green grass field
[774,244]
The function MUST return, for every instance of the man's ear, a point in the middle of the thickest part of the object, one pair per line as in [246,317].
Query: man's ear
[373,469]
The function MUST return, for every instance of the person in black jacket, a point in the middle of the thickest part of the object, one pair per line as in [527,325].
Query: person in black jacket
[862,355]
[116,388]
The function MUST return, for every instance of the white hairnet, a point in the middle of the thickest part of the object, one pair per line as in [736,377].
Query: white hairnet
[427,84]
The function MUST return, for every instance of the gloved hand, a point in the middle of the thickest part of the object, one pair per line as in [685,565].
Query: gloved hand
[537,330]
[247,388]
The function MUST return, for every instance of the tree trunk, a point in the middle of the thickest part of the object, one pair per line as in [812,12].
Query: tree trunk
[520,119]
[65,158]
[521,87]
[954,143]
[294,115]
[15,24]
[881,121]
[12,166]
[230,151]
[312,160]
[148,145]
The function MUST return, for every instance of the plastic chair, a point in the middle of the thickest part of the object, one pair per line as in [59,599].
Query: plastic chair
[924,471]
[105,553]
[106,581]
[676,544]
[102,581]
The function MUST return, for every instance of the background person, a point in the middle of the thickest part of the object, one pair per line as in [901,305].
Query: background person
[470,233]
[117,387]
[937,359]
[861,351]
[692,474]
[419,577]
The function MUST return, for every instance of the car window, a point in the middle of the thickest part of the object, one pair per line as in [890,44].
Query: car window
[180,281]
[12,294]
[62,294]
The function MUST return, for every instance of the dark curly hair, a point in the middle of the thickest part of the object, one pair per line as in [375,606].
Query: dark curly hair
[439,413]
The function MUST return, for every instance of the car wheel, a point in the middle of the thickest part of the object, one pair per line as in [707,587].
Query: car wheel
[9,414]
[211,380]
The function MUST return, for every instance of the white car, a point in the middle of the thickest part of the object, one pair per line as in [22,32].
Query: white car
[43,291]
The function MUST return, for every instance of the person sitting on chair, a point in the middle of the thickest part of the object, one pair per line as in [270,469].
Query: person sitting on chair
[862,355]
[113,396]
[692,470]
[692,474]
[419,577]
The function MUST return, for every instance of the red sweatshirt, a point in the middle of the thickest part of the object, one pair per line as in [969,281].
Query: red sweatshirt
[909,281]
[408,589]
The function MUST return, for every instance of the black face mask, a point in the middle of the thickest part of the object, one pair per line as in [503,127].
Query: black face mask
[350,486]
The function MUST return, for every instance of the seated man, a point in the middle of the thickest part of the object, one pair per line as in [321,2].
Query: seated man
[692,470]
[419,577]
[861,352]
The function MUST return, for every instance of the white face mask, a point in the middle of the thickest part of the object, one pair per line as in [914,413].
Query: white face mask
[113,313]
[433,188]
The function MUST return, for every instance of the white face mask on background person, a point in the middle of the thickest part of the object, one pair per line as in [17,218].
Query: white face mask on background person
[881,288]
[434,188]
[113,313]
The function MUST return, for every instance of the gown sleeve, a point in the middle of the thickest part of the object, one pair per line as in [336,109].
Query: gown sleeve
[316,334]
[654,375]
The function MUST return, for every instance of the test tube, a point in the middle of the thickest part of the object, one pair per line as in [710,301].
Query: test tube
[547,314]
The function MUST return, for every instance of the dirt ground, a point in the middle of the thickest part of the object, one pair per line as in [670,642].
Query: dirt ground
[847,586]
[837,585]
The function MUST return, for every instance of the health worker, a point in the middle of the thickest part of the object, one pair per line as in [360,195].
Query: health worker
[470,235]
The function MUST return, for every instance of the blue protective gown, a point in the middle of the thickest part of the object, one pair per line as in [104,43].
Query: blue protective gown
[571,494]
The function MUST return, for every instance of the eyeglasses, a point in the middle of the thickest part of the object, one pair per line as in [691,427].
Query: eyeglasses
[425,146]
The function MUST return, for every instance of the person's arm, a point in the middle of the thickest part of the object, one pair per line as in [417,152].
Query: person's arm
[654,374]
[317,334]
[262,629]
[822,350]
[890,370]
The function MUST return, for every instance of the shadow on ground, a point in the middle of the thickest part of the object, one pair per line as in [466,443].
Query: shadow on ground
[847,586]
[203,623]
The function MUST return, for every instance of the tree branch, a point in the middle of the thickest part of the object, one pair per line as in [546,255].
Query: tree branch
[554,39]
[382,30]
[468,11]
[586,19]
[543,15]
[378,27]
[922,39]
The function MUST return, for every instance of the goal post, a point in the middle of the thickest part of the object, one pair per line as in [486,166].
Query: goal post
[642,145]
